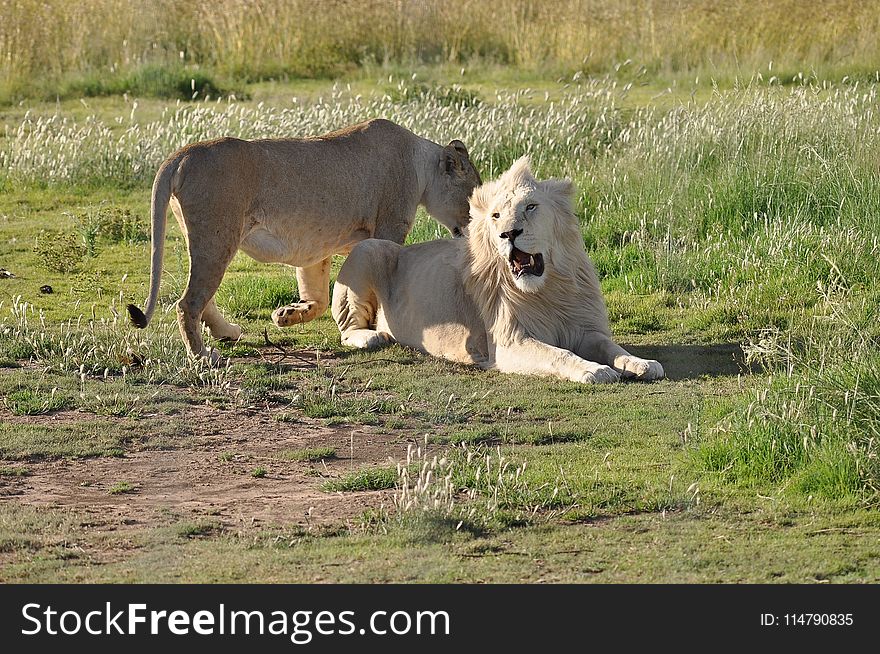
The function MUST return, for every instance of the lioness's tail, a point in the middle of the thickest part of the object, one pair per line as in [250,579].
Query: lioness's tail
[161,196]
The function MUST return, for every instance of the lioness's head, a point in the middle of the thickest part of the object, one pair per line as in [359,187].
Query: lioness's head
[524,228]
[446,197]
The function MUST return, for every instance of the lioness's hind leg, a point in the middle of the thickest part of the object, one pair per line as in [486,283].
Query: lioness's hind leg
[220,328]
[314,293]
[208,260]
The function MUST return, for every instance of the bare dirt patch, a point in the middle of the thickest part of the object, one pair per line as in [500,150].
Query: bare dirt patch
[212,480]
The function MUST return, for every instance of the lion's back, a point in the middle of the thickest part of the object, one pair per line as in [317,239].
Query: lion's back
[425,305]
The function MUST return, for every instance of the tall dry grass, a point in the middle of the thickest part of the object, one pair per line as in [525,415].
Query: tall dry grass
[247,39]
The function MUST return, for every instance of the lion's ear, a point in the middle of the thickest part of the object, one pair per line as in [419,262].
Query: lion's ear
[558,187]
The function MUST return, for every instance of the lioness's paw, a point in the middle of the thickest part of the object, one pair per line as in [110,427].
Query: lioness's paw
[229,332]
[365,339]
[297,313]
[211,356]
[635,368]
[601,375]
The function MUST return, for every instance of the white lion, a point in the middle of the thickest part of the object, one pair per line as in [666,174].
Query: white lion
[297,202]
[519,294]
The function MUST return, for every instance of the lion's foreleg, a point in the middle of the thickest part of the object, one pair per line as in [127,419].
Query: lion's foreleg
[355,302]
[355,315]
[532,357]
[314,295]
[600,347]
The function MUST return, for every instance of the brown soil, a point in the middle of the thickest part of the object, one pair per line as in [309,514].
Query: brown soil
[210,482]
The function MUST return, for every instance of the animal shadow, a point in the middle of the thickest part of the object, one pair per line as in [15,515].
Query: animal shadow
[694,361]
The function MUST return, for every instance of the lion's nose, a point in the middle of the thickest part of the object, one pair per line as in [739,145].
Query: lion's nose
[512,234]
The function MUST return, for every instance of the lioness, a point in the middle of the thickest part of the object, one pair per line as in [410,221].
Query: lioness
[519,294]
[297,202]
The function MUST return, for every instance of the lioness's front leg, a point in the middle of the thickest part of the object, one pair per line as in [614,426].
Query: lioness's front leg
[529,356]
[314,295]
[601,348]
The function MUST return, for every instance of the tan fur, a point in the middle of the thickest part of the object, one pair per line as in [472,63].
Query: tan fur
[460,300]
[296,202]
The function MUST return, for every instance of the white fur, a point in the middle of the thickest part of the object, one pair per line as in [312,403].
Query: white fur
[460,300]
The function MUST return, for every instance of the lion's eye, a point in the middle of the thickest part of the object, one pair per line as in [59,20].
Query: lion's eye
[496,216]
[531,207]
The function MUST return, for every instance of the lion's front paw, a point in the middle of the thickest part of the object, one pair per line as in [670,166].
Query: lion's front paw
[297,313]
[635,368]
[365,339]
[601,375]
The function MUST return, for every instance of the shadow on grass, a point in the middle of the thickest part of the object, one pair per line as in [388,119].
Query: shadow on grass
[679,361]
[693,361]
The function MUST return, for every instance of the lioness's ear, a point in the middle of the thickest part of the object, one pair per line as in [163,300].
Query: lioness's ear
[459,147]
[450,160]
[558,187]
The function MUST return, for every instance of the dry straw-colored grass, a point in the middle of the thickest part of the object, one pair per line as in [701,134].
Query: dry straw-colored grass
[257,38]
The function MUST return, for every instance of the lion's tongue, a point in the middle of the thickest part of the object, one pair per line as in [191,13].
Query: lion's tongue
[524,262]
[520,259]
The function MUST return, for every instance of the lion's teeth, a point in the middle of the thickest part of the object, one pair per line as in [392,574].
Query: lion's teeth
[532,260]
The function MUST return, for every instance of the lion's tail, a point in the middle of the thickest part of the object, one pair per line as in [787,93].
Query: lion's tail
[161,196]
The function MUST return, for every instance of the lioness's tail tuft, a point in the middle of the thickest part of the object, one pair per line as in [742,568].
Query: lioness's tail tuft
[137,316]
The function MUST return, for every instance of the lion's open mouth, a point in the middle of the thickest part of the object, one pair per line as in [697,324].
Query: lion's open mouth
[524,263]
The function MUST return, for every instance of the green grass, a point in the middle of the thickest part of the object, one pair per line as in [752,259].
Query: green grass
[735,234]
[190,530]
[763,546]
[84,438]
[343,410]
[120,488]
[104,394]
[805,448]
[165,81]
[370,479]
[166,53]
[14,471]
[308,454]
[251,295]
[26,402]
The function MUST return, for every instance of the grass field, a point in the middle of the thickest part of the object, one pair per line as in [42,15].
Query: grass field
[159,47]
[732,213]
